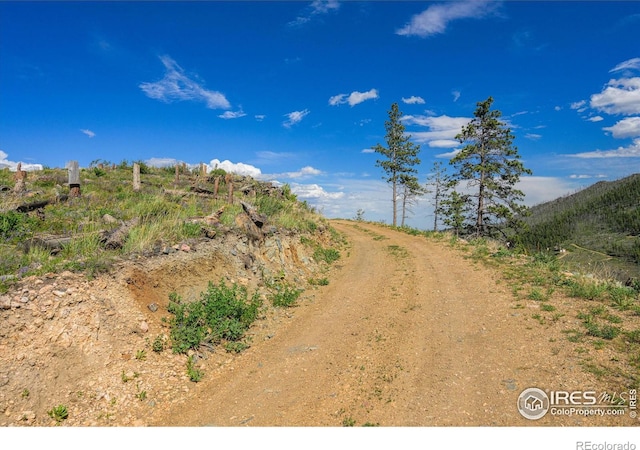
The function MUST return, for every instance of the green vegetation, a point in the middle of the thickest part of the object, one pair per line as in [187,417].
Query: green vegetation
[161,215]
[400,158]
[222,313]
[194,374]
[597,228]
[58,413]
[284,295]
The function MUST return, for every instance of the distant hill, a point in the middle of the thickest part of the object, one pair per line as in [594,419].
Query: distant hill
[602,220]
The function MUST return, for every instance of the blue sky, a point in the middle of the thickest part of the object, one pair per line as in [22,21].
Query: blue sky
[298,92]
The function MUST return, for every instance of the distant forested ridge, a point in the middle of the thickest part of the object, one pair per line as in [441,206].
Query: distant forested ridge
[604,217]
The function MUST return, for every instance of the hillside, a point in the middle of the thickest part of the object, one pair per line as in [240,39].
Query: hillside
[599,225]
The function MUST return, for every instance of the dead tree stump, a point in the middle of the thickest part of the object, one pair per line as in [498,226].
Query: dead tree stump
[74,179]
[20,178]
[136,177]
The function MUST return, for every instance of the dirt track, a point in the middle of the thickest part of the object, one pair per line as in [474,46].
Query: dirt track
[408,333]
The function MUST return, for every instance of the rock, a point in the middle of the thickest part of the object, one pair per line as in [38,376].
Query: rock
[5,302]
[59,293]
[108,218]
[153,307]
[144,326]
[185,248]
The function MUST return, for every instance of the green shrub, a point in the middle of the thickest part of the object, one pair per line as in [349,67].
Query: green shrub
[328,255]
[221,313]
[285,295]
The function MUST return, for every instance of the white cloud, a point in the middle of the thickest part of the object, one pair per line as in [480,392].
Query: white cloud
[232,114]
[176,86]
[443,143]
[441,129]
[533,136]
[162,162]
[586,177]
[625,128]
[595,119]
[579,106]
[557,108]
[631,151]
[305,172]
[434,20]
[413,100]
[13,166]
[619,97]
[317,8]
[448,155]
[368,150]
[543,189]
[633,63]
[237,168]
[456,95]
[260,117]
[354,98]
[88,132]
[294,118]
[314,191]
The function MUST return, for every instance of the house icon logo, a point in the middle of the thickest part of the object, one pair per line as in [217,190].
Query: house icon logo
[533,403]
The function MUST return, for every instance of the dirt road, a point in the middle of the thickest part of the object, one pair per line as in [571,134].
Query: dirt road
[407,333]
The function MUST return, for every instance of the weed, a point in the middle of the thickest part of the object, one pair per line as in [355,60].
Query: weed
[194,374]
[633,336]
[158,344]
[126,378]
[348,422]
[370,424]
[547,307]
[622,297]
[25,393]
[141,355]
[587,289]
[318,282]
[599,344]
[328,255]
[236,347]
[539,318]
[284,295]
[537,295]
[141,394]
[58,413]
[397,251]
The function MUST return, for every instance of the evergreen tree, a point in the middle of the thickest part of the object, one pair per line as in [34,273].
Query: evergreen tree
[491,165]
[438,183]
[410,190]
[400,153]
[454,208]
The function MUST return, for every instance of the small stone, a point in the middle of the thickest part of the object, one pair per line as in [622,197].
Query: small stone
[153,307]
[5,302]
[108,218]
[144,326]
[185,248]
[59,293]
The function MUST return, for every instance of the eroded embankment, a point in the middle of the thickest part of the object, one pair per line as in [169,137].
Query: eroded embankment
[87,344]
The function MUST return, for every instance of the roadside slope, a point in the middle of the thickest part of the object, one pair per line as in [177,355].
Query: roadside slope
[408,333]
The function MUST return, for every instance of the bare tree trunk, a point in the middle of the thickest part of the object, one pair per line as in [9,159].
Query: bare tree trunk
[20,178]
[177,178]
[136,177]
[229,180]
[216,186]
[395,201]
[74,179]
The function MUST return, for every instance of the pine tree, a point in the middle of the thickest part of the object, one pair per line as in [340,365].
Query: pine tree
[410,190]
[491,166]
[401,155]
[438,183]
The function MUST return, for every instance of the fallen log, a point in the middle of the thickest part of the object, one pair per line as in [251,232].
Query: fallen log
[27,207]
[116,238]
[252,212]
